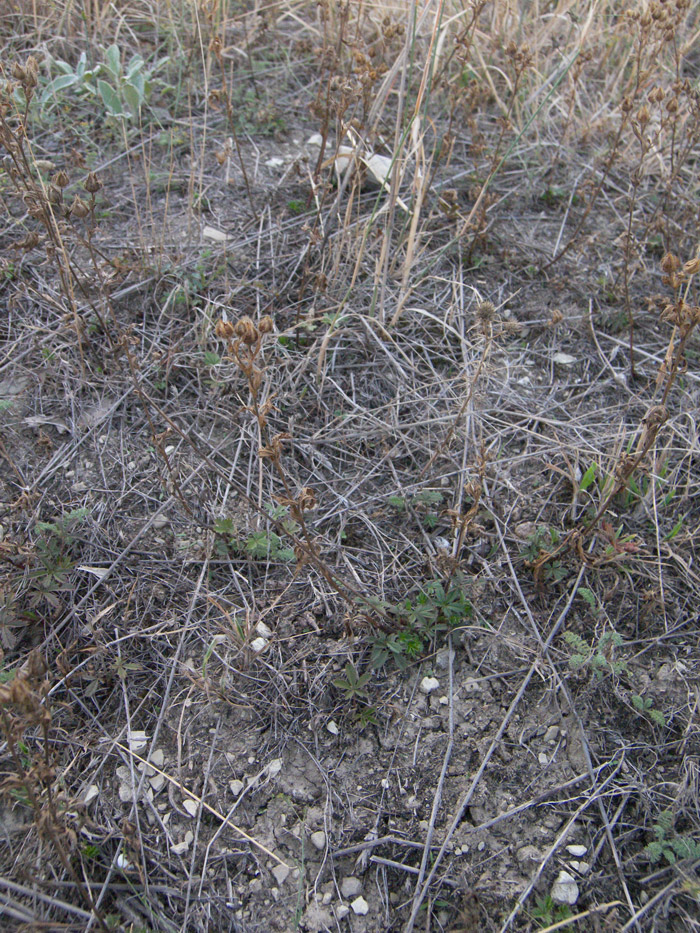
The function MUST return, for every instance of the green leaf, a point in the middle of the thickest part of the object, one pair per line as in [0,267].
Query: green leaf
[111,100]
[132,97]
[588,595]
[211,358]
[113,61]
[674,531]
[430,497]
[588,477]
[224,526]
[397,502]
[58,84]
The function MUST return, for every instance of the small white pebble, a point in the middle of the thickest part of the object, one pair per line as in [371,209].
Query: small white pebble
[429,685]
[332,728]
[565,890]
[259,644]
[360,906]
[281,873]
[318,840]
[577,851]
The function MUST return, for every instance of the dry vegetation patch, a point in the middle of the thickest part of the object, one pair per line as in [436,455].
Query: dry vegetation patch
[349,501]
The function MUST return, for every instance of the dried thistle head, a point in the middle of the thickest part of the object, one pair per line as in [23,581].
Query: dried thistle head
[266,325]
[486,312]
[512,328]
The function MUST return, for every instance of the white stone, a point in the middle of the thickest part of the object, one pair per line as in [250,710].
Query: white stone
[360,906]
[274,767]
[565,890]
[577,851]
[263,630]
[235,787]
[342,910]
[315,140]
[181,847]
[211,233]
[350,886]
[542,758]
[274,162]
[137,740]
[564,359]
[157,783]
[191,806]
[429,685]
[258,644]
[90,794]
[281,873]
[551,735]
[332,727]
[318,840]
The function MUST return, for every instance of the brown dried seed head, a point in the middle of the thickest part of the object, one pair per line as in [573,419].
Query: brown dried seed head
[224,330]
[60,179]
[692,266]
[78,207]
[486,312]
[643,116]
[246,330]
[27,242]
[266,325]
[307,499]
[92,183]
[557,317]
[670,263]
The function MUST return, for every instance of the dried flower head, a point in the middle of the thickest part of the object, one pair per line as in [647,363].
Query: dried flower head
[486,312]
[224,329]
[246,330]
[266,325]
[92,183]
[60,179]
[670,263]
[78,207]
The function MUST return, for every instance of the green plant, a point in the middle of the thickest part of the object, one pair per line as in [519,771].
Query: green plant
[419,621]
[645,706]
[54,552]
[538,544]
[547,912]
[123,93]
[354,684]
[599,658]
[669,844]
[263,544]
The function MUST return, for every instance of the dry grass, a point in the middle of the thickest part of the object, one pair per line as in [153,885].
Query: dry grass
[283,436]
